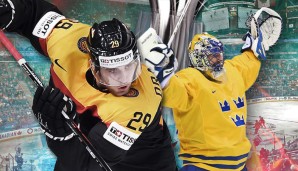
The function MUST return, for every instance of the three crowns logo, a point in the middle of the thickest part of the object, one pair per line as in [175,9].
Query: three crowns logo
[238,121]
[225,106]
[239,103]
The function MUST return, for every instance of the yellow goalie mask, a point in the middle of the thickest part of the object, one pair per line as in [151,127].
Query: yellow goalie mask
[206,54]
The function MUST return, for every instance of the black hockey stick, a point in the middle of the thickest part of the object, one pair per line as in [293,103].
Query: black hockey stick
[73,126]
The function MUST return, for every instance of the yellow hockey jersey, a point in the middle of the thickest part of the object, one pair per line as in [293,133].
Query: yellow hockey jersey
[211,117]
[70,65]
[133,121]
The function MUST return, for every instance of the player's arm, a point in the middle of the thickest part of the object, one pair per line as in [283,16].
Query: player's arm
[72,154]
[248,66]
[162,62]
[49,104]
[179,92]
[157,56]
[28,16]
[248,63]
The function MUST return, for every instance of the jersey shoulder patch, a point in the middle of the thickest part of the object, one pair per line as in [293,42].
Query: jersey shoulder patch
[46,24]
[82,45]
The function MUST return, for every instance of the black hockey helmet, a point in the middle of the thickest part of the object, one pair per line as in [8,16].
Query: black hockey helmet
[110,38]
[114,53]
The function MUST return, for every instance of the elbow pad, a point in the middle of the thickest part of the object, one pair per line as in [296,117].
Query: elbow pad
[22,16]
[7,13]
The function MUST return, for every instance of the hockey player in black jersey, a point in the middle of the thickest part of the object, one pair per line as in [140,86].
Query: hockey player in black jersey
[112,96]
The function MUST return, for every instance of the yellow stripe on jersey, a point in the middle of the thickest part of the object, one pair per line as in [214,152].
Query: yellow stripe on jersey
[210,117]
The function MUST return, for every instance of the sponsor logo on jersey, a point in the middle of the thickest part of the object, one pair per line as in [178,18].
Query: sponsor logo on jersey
[56,62]
[46,24]
[120,136]
[82,45]
[132,93]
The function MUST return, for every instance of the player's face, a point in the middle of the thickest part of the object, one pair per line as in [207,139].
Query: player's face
[215,59]
[120,76]
[119,90]
[216,69]
[118,80]
[115,90]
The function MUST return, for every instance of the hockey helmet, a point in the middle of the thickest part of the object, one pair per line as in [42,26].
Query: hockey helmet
[206,53]
[114,52]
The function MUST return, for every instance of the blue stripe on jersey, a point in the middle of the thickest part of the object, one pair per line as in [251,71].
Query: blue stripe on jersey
[219,166]
[196,168]
[233,158]
[192,168]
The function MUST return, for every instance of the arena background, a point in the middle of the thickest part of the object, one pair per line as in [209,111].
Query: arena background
[274,96]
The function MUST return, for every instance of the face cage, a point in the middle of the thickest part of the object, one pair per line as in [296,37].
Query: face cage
[119,76]
[202,61]
[216,66]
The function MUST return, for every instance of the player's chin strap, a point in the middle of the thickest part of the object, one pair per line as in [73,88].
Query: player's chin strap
[5,4]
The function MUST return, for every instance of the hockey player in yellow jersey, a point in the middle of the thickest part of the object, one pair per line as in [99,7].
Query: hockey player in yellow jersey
[112,96]
[209,103]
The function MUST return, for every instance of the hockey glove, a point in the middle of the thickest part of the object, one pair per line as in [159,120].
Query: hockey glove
[6,13]
[162,62]
[48,107]
[256,45]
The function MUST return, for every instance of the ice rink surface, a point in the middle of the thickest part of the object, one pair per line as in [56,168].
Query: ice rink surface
[280,116]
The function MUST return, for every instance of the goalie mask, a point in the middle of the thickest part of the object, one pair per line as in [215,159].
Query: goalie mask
[206,54]
[114,53]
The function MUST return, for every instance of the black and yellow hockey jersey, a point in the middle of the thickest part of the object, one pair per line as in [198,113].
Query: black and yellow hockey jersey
[127,131]
[211,117]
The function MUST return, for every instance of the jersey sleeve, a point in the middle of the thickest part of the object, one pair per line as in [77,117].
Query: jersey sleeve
[28,14]
[248,65]
[79,159]
[180,91]
[67,157]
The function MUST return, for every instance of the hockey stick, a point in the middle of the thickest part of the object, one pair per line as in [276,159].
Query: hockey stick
[178,23]
[73,126]
[150,39]
[181,18]
[198,8]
